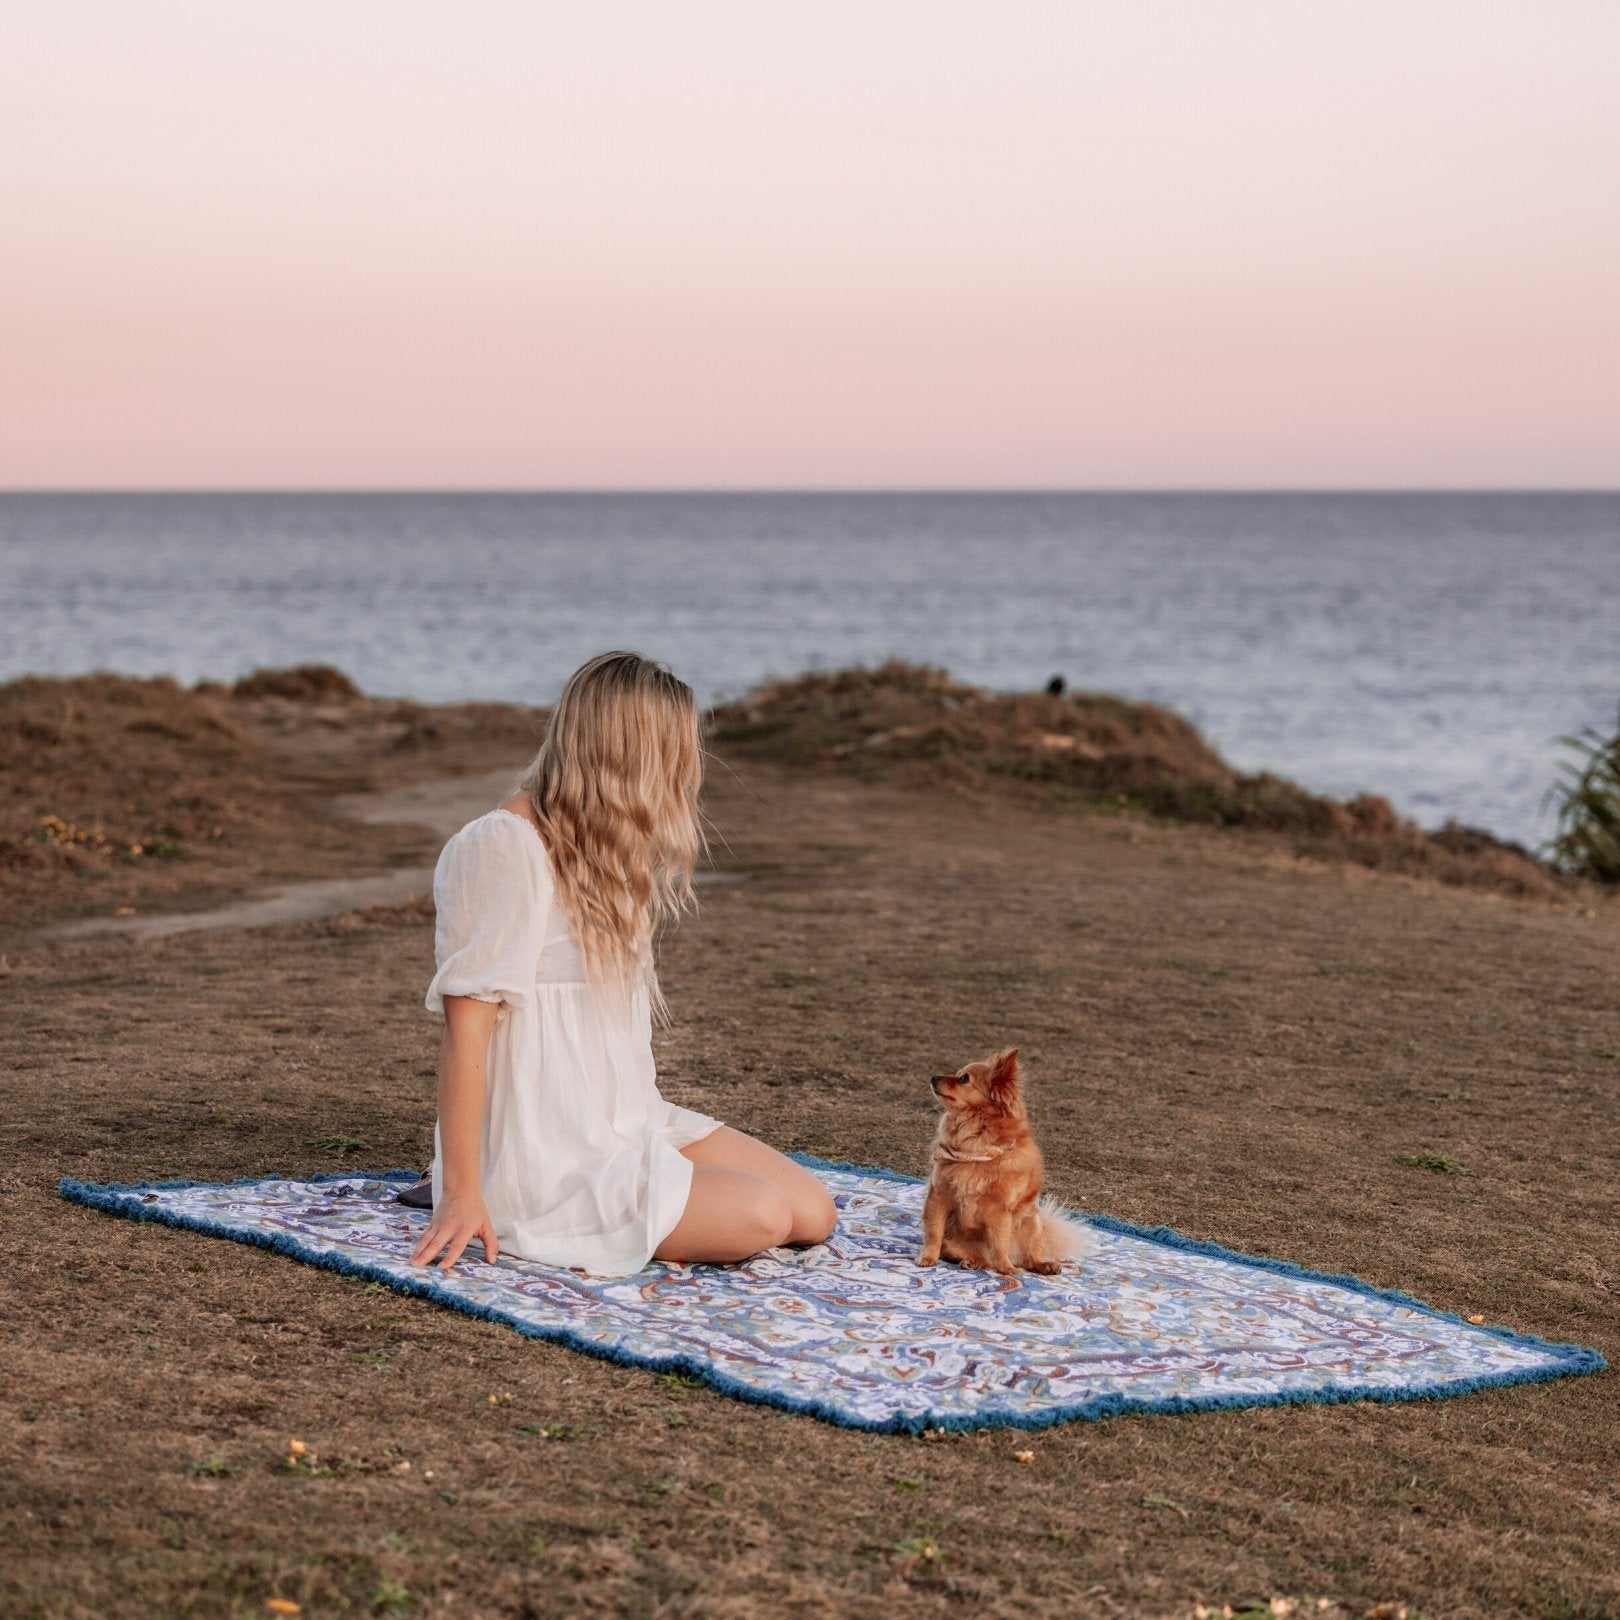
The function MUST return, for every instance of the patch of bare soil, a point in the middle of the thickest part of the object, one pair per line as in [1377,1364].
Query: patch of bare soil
[1221,1036]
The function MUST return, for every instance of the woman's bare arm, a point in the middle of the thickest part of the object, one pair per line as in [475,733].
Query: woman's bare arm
[460,1216]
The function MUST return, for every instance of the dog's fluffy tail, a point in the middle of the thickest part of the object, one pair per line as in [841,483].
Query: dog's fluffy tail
[1068,1236]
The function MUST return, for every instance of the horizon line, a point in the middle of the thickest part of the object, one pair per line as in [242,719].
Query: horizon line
[666,490]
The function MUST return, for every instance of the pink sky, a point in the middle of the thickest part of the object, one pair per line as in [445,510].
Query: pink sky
[362,243]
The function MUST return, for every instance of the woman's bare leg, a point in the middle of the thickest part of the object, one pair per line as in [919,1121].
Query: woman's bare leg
[729,1215]
[813,1214]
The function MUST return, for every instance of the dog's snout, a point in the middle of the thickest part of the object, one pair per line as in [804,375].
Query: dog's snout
[942,1079]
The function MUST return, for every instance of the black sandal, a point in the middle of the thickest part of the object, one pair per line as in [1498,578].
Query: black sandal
[419,1195]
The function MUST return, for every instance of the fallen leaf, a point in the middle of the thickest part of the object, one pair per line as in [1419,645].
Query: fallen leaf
[1154,1500]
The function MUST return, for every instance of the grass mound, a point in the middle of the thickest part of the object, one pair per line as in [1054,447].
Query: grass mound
[128,792]
[123,792]
[104,770]
[1089,750]
[304,683]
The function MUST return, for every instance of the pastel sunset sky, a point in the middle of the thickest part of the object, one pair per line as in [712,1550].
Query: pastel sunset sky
[920,243]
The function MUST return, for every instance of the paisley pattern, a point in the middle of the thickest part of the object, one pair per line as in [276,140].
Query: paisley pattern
[854,1332]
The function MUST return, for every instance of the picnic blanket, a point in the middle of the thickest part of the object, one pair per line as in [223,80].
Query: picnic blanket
[852,1331]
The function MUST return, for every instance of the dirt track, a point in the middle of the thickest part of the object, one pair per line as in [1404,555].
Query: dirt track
[439,805]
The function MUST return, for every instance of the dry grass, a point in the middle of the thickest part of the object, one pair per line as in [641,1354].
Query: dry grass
[1221,1036]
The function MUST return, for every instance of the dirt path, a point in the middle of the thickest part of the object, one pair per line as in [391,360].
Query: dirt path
[441,806]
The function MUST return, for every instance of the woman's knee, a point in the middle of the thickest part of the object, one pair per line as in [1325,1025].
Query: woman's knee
[814,1213]
[769,1215]
[729,1216]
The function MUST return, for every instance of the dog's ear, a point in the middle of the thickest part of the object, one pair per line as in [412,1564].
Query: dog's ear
[1002,1083]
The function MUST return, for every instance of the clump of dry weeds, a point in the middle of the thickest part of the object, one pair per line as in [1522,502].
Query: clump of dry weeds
[303,683]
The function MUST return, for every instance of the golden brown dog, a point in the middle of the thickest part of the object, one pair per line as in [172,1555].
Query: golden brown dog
[983,1206]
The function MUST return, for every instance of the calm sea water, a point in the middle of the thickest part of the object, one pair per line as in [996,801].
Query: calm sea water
[1430,647]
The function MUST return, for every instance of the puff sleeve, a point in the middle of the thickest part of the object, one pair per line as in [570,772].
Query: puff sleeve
[491,897]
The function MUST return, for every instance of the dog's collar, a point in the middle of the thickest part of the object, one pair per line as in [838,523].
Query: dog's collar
[943,1150]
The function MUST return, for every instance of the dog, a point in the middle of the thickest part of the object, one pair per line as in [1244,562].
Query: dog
[984,1207]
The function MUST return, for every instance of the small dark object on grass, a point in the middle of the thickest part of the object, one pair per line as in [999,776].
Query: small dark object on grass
[1441,1162]
[1055,686]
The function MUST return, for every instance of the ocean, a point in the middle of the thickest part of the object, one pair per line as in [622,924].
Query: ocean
[1429,647]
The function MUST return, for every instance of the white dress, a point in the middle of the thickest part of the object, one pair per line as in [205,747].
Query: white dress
[580,1154]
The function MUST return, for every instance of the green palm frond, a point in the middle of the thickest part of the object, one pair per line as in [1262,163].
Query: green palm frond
[1587,842]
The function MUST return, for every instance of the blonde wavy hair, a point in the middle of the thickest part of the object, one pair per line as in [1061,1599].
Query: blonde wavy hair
[615,791]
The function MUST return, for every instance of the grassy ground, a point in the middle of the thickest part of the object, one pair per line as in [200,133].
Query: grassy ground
[1221,1036]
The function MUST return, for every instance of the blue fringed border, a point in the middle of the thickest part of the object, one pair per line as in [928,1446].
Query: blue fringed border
[1569,1360]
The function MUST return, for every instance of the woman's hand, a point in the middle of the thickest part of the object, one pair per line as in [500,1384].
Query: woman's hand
[456,1222]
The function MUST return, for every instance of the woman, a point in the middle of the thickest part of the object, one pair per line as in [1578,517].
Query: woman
[553,1142]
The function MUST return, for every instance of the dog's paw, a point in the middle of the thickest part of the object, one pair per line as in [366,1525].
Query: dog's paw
[927,1259]
[1045,1268]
